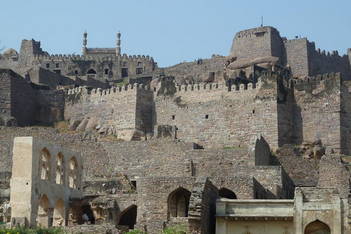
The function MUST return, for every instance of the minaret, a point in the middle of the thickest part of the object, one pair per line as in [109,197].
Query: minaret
[118,43]
[85,42]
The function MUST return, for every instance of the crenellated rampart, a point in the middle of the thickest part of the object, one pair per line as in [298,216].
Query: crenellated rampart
[69,57]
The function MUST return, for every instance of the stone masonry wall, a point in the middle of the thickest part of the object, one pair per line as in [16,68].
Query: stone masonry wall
[297,56]
[5,96]
[256,43]
[319,102]
[23,100]
[214,116]
[115,110]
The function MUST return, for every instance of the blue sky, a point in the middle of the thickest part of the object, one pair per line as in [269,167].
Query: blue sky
[171,31]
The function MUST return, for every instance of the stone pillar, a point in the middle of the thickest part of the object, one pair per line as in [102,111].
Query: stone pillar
[298,212]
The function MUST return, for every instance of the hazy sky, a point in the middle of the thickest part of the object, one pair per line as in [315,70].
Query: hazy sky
[171,31]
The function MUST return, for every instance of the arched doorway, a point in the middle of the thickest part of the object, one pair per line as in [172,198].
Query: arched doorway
[178,203]
[317,227]
[226,193]
[91,73]
[43,219]
[59,214]
[128,217]
[87,215]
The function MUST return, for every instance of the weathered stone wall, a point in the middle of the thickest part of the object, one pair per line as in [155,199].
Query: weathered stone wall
[213,116]
[42,76]
[257,43]
[297,56]
[125,112]
[5,97]
[201,70]
[318,100]
[202,206]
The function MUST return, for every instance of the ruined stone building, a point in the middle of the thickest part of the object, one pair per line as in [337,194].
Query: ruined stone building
[254,142]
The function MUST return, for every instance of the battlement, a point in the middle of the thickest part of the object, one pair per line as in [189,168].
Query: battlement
[318,78]
[114,90]
[69,57]
[208,87]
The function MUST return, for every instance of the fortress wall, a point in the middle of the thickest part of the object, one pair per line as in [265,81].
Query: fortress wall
[255,43]
[51,106]
[322,62]
[218,117]
[297,56]
[345,117]
[318,109]
[5,94]
[23,100]
[113,109]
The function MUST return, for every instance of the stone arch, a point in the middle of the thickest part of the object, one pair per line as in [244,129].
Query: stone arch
[73,173]
[43,216]
[226,193]
[44,164]
[59,169]
[59,214]
[128,217]
[317,227]
[178,203]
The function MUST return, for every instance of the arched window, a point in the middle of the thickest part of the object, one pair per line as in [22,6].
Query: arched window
[59,214]
[59,169]
[128,217]
[44,166]
[73,173]
[226,193]
[178,203]
[43,212]
[317,227]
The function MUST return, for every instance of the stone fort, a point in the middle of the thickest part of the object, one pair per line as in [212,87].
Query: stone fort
[254,142]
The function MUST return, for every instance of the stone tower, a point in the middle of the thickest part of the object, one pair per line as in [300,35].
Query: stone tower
[349,54]
[118,43]
[85,42]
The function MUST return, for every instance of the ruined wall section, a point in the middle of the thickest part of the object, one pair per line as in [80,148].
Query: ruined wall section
[319,105]
[114,111]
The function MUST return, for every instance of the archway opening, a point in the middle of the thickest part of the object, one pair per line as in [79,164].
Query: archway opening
[178,203]
[87,215]
[45,164]
[128,217]
[226,193]
[73,173]
[59,214]
[317,227]
[59,169]
[43,219]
